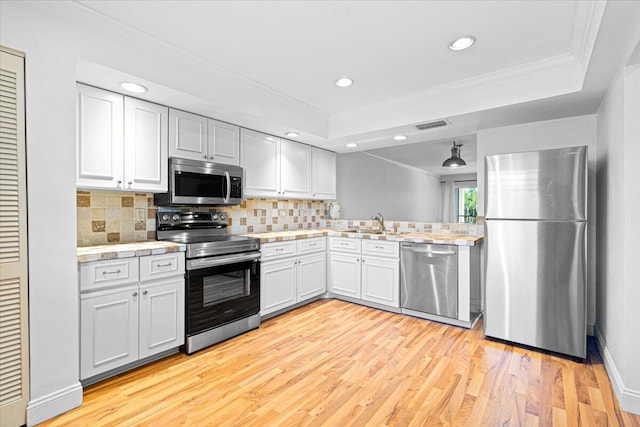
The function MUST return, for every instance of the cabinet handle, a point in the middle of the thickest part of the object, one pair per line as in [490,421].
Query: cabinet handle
[104,273]
[135,294]
[344,244]
[312,244]
[279,249]
[145,292]
[379,247]
[164,265]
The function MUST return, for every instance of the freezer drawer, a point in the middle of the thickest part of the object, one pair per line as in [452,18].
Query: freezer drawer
[429,279]
[535,284]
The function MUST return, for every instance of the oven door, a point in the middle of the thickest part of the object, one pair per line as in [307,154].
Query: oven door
[221,289]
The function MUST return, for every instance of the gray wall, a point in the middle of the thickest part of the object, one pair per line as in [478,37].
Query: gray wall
[367,185]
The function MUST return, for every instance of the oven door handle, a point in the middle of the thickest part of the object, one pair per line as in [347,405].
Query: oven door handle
[195,264]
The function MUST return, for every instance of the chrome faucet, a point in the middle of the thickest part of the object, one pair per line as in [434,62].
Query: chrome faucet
[378,217]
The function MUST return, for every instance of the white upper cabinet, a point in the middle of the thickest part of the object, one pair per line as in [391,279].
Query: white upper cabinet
[196,137]
[121,142]
[324,174]
[223,142]
[295,169]
[145,145]
[280,168]
[99,138]
[187,135]
[261,163]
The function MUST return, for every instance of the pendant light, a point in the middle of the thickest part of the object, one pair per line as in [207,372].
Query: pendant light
[454,161]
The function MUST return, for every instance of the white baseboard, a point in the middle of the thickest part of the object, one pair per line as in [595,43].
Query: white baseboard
[629,399]
[53,404]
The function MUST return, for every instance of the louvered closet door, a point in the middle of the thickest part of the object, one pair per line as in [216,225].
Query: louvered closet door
[14,351]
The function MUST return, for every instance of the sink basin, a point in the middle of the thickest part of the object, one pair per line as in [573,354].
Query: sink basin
[384,233]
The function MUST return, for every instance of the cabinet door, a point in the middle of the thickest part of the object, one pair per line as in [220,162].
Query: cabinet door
[295,172]
[99,138]
[108,331]
[261,162]
[145,145]
[277,285]
[187,135]
[324,174]
[381,281]
[161,316]
[312,279]
[344,274]
[224,142]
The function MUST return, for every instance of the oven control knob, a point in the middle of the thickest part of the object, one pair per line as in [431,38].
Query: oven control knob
[215,217]
[165,217]
[175,217]
[223,217]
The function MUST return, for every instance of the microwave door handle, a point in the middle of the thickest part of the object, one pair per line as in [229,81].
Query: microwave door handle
[228,192]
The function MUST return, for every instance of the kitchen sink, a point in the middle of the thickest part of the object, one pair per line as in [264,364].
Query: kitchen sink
[384,233]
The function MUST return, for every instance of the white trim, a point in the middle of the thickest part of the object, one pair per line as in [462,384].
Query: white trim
[586,24]
[53,404]
[402,165]
[629,399]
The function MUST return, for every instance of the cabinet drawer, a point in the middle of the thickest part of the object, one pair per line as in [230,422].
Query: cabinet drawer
[160,266]
[103,274]
[307,246]
[345,244]
[278,249]
[380,248]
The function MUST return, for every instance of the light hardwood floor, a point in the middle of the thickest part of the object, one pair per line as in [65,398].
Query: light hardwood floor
[334,363]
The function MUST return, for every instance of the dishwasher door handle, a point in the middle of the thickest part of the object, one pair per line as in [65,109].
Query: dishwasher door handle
[425,251]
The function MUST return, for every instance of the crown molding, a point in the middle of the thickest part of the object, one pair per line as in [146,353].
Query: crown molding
[93,20]
[557,75]
[586,25]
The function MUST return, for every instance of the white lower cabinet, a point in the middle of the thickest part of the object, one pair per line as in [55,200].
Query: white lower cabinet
[368,270]
[381,281]
[291,272]
[108,330]
[277,285]
[121,323]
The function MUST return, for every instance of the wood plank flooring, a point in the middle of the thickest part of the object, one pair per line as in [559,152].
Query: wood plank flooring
[334,363]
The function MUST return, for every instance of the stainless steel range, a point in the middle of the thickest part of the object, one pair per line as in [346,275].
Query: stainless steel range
[222,276]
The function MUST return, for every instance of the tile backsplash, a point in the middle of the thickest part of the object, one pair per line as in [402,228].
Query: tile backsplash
[114,217]
[123,217]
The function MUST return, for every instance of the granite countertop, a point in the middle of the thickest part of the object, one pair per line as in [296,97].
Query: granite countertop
[451,239]
[127,250]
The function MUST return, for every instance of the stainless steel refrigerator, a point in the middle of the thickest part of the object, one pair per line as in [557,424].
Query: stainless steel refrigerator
[535,236]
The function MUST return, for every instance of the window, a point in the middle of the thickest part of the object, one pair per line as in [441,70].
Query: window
[466,201]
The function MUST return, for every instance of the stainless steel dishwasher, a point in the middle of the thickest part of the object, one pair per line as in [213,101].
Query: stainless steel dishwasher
[429,278]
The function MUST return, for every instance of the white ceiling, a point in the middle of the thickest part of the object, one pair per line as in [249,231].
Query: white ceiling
[271,65]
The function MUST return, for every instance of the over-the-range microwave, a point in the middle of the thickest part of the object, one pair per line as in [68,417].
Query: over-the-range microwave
[194,182]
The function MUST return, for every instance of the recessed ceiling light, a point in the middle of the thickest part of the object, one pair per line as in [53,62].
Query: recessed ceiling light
[133,87]
[462,42]
[292,134]
[344,82]
[400,137]
[352,145]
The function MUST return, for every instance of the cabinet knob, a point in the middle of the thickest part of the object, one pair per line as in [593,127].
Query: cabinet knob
[145,292]
[211,157]
[119,181]
[204,156]
[129,182]
[135,294]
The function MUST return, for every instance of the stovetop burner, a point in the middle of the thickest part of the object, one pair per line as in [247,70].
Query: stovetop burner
[204,233]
